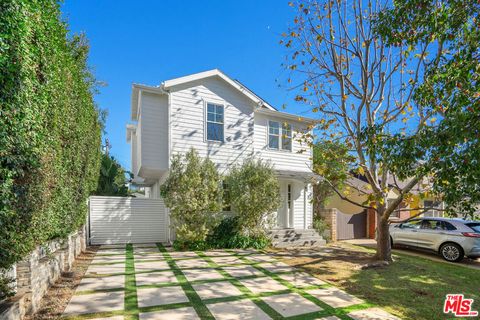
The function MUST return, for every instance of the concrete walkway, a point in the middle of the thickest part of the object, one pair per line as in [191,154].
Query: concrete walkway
[149,282]
[372,243]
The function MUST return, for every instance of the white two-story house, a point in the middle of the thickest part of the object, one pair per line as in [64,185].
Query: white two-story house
[225,121]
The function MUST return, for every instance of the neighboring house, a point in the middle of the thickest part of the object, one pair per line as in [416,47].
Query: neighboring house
[225,121]
[352,221]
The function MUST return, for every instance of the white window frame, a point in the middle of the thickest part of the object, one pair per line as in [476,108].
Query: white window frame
[435,213]
[290,137]
[280,136]
[206,121]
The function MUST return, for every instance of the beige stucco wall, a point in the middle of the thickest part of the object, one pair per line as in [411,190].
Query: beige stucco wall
[346,207]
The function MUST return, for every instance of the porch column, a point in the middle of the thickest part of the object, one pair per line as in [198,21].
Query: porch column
[305,188]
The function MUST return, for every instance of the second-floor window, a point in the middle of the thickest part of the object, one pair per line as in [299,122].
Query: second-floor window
[214,122]
[279,137]
[287,137]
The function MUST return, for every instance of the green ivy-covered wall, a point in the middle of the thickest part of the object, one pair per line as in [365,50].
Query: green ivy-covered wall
[50,132]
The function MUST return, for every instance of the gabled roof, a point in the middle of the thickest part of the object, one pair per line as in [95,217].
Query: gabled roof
[217,73]
[263,106]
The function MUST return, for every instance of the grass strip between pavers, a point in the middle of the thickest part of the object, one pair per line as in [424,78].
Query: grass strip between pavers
[243,289]
[192,295]
[327,309]
[131,310]
[131,301]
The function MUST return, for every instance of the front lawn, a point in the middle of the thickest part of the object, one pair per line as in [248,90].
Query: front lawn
[410,288]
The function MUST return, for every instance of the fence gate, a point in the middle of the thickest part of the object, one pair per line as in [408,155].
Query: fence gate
[351,226]
[116,220]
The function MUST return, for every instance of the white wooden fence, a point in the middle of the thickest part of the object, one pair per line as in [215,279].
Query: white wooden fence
[115,220]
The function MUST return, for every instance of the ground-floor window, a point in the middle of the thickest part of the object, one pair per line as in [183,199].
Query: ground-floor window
[436,208]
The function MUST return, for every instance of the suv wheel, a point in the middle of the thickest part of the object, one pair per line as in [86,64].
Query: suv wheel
[451,252]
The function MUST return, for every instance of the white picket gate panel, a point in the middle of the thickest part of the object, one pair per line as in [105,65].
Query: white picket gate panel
[117,220]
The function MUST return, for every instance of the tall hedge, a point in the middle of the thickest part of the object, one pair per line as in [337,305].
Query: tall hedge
[50,131]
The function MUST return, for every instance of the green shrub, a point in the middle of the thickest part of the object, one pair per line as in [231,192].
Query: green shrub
[6,287]
[254,194]
[198,245]
[49,128]
[228,235]
[193,193]
[320,225]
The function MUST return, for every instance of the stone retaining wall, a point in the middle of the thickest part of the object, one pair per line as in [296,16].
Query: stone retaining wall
[38,271]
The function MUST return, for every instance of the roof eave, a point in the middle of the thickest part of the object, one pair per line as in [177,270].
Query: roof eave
[169,84]
[286,115]
[136,89]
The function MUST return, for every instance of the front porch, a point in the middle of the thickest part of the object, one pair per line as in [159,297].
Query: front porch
[296,209]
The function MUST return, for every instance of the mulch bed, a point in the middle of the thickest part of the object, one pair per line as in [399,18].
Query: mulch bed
[60,293]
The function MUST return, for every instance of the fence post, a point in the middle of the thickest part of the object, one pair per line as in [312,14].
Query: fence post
[87,225]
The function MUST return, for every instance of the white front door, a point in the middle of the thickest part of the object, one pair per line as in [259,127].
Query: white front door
[284,213]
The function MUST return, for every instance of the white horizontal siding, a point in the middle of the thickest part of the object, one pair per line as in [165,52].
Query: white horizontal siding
[188,122]
[154,131]
[134,154]
[281,159]
[116,220]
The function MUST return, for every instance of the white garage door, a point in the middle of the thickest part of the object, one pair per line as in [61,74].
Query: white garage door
[115,220]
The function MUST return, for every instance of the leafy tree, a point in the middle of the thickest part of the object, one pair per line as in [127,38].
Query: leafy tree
[193,193]
[331,160]
[368,91]
[113,178]
[450,90]
[254,194]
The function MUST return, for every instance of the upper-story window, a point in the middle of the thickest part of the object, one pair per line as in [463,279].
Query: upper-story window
[273,134]
[287,136]
[279,136]
[215,122]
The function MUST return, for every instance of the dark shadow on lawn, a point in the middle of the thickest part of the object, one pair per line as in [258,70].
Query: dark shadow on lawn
[411,287]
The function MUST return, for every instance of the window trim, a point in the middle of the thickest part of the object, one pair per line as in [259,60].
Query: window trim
[205,117]
[280,136]
[436,211]
[290,137]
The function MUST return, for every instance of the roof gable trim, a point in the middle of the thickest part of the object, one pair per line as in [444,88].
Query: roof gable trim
[212,73]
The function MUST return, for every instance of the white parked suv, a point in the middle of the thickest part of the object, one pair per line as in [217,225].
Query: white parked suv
[451,238]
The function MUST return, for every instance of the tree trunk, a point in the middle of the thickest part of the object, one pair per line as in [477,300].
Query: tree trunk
[384,250]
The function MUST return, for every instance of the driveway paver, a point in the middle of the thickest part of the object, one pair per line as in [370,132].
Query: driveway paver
[335,297]
[291,304]
[159,296]
[212,290]
[238,310]
[149,282]
[187,313]
[96,302]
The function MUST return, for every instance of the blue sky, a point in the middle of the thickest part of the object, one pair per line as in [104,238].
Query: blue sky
[152,41]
